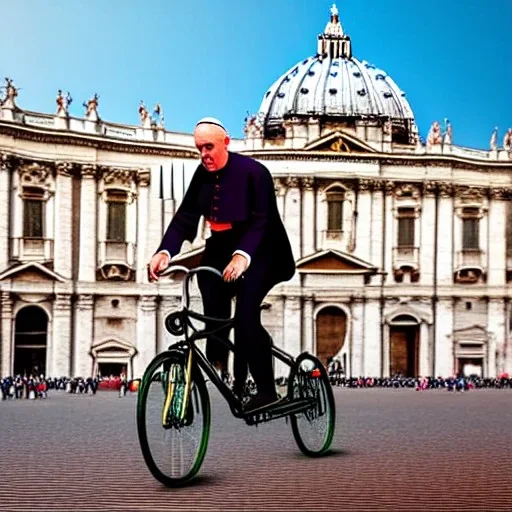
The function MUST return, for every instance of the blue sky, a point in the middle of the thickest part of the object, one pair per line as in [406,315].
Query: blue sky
[453,58]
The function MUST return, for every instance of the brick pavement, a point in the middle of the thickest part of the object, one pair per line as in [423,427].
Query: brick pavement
[394,450]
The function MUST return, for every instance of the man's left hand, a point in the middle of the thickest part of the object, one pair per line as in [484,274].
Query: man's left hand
[237,266]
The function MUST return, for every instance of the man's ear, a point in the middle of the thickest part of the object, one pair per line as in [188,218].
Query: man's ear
[227,140]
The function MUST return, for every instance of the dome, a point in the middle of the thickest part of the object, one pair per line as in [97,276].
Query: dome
[334,83]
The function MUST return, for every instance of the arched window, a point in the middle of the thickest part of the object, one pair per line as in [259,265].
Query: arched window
[335,198]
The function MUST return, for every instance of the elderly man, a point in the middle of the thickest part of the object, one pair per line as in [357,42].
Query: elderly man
[249,245]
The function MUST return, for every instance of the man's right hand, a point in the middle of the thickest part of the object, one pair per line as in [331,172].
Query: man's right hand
[159,262]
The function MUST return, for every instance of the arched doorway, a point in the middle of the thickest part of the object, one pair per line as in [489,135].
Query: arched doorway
[404,336]
[30,341]
[331,329]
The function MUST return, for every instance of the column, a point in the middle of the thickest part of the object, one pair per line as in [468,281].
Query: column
[143,251]
[155,223]
[497,336]
[292,325]
[427,237]
[167,305]
[444,362]
[425,368]
[146,334]
[371,337]
[292,209]
[6,343]
[358,328]
[389,234]
[364,221]
[61,336]
[280,190]
[84,336]
[497,240]
[63,219]
[88,232]
[5,169]
[308,321]
[445,237]
[377,227]
[308,216]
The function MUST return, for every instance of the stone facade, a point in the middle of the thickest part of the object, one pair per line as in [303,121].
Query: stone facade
[403,248]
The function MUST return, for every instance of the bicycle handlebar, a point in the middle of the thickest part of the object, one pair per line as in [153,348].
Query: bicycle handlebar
[189,273]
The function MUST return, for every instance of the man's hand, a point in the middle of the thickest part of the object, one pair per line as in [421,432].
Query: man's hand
[237,266]
[159,262]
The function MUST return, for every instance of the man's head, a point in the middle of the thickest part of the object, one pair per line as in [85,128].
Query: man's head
[212,140]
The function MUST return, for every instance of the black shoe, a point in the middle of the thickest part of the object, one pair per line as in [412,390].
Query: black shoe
[261,400]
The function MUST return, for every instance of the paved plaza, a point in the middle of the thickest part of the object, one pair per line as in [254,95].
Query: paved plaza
[393,450]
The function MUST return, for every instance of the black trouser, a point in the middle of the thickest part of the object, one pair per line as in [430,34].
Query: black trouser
[252,342]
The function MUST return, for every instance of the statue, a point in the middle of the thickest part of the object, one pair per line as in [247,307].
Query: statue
[333,28]
[447,133]
[494,139]
[435,136]
[91,106]
[507,140]
[63,103]
[10,91]
[158,116]
[144,115]
[253,125]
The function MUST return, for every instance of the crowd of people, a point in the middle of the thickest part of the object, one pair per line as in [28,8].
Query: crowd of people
[37,387]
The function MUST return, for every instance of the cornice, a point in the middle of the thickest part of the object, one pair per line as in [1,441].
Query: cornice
[48,136]
[410,160]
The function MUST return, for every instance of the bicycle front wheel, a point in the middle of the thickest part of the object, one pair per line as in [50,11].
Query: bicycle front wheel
[312,429]
[173,431]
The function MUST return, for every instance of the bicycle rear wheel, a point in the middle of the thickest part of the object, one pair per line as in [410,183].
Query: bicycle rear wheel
[313,429]
[173,444]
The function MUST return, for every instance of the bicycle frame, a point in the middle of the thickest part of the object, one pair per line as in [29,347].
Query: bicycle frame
[184,317]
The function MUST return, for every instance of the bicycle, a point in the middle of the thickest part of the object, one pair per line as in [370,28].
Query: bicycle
[173,389]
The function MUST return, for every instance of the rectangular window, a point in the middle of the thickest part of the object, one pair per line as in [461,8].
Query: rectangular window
[116,222]
[335,215]
[116,216]
[470,234]
[33,213]
[406,225]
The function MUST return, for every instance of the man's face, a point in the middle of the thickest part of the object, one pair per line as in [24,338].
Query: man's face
[212,142]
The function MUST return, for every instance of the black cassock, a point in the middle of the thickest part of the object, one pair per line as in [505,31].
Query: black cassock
[242,193]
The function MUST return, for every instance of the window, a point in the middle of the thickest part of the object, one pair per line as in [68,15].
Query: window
[470,229]
[116,216]
[33,212]
[406,221]
[335,198]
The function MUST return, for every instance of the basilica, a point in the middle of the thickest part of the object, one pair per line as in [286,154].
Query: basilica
[403,244]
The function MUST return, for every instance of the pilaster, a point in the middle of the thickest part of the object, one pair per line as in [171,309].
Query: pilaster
[292,325]
[6,344]
[497,337]
[444,363]
[445,237]
[358,332]
[371,339]
[63,219]
[84,336]
[363,236]
[88,220]
[61,337]
[497,240]
[5,169]
[143,252]
[308,342]
[308,216]
[292,208]
[377,227]
[146,333]
[427,236]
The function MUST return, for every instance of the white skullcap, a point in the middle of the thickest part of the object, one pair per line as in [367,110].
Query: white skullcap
[211,120]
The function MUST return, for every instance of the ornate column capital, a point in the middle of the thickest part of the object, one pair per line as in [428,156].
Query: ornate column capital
[465,191]
[500,193]
[144,177]
[445,189]
[118,176]
[62,302]
[88,171]
[64,168]
[308,183]
[292,182]
[365,185]
[5,161]
[85,302]
[280,186]
[6,303]
[148,303]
